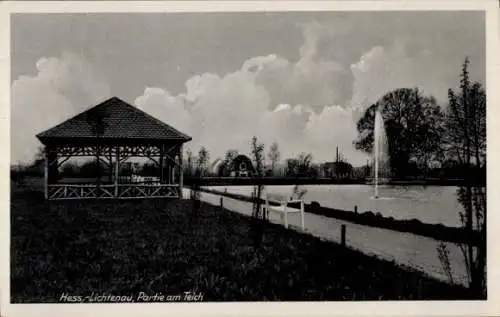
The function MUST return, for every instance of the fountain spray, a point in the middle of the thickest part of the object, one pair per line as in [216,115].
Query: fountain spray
[380,139]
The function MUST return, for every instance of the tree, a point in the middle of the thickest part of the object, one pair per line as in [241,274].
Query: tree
[413,123]
[292,167]
[39,157]
[149,169]
[70,169]
[298,192]
[314,171]
[429,135]
[466,142]
[201,166]
[342,169]
[227,163]
[89,168]
[465,123]
[203,157]
[304,163]
[301,166]
[35,168]
[257,150]
[230,155]
[274,156]
[188,172]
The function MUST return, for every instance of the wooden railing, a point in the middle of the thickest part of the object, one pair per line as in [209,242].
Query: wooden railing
[122,191]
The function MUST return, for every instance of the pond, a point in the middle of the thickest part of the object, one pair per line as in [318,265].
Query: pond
[429,204]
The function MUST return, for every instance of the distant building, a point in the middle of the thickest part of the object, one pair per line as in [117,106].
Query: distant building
[327,169]
[242,166]
[335,169]
[216,167]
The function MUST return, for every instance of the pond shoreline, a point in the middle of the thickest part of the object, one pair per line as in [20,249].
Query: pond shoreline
[368,218]
[232,181]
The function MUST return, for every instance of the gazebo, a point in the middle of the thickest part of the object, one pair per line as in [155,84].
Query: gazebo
[112,132]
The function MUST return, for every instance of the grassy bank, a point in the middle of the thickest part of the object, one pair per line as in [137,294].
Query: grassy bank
[126,247]
[369,218]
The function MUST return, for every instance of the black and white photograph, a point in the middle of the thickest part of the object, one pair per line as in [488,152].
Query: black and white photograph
[260,156]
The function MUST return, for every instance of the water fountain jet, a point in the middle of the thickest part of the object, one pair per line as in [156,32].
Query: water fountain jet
[380,150]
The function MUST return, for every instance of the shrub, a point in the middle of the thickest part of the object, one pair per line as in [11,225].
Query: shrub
[314,204]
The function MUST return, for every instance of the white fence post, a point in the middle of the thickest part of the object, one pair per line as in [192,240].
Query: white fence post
[286,214]
[302,214]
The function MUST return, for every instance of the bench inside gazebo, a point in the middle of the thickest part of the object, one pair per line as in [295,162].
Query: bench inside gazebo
[113,132]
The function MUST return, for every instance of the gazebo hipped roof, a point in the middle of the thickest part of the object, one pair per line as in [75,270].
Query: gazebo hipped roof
[113,120]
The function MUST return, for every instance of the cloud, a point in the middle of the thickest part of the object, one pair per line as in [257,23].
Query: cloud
[227,113]
[307,104]
[334,126]
[286,125]
[312,80]
[302,105]
[62,87]
[162,105]
[403,65]
[270,97]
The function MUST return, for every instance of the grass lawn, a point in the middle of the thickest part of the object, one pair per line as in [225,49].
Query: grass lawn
[127,247]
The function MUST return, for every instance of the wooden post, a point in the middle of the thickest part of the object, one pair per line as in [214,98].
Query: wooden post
[53,168]
[221,204]
[110,166]
[181,171]
[343,235]
[355,209]
[161,163]
[267,205]
[117,170]
[174,169]
[168,168]
[98,167]
[46,174]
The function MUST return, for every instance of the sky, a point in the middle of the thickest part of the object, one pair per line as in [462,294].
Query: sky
[301,79]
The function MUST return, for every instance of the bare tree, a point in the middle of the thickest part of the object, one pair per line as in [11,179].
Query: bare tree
[201,165]
[300,166]
[273,155]
[189,164]
[203,157]
[465,139]
[304,162]
[257,150]
[303,168]
[228,159]
[298,192]
[39,155]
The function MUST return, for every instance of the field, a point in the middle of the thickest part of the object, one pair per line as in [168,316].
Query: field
[167,246]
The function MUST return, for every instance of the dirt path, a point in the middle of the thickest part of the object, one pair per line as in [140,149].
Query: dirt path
[407,249]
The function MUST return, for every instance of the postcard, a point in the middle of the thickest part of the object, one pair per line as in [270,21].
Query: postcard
[249,158]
